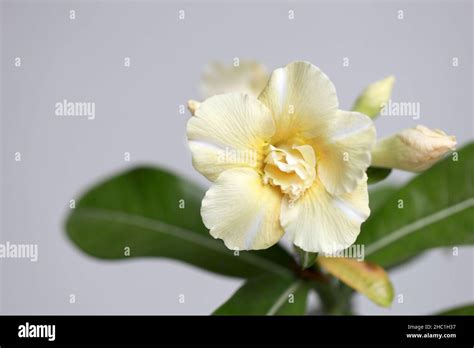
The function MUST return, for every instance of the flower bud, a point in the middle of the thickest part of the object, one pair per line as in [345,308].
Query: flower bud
[414,149]
[374,97]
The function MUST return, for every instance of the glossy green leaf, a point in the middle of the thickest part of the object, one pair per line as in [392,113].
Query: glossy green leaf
[376,174]
[149,212]
[435,209]
[378,197]
[267,295]
[467,309]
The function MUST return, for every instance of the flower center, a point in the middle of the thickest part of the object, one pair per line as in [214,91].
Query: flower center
[291,167]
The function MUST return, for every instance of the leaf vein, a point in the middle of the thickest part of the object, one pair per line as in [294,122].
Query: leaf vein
[419,224]
[282,298]
[179,232]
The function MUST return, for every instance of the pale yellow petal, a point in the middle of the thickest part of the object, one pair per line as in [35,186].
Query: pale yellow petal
[343,153]
[242,211]
[229,131]
[300,97]
[321,222]
[248,77]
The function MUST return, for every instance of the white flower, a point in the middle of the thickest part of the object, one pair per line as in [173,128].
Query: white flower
[248,77]
[414,149]
[299,164]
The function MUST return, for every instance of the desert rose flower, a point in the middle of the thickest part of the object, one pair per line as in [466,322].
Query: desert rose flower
[374,97]
[288,162]
[414,149]
[248,77]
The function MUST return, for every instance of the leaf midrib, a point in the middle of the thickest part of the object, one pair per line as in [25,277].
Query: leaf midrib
[417,225]
[177,232]
[281,299]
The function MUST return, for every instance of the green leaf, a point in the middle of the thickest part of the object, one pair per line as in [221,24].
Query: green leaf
[368,279]
[149,212]
[376,174]
[378,197]
[435,209]
[267,295]
[467,309]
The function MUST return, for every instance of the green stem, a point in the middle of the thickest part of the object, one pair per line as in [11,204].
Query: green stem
[335,298]
[306,259]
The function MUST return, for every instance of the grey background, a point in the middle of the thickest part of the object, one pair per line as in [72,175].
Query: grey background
[137,111]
